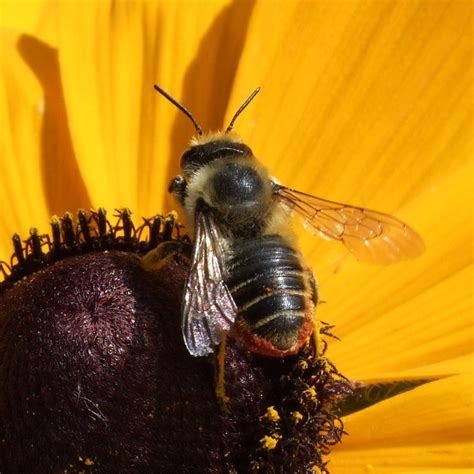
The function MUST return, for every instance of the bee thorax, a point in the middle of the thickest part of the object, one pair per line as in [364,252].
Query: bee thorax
[237,185]
[237,190]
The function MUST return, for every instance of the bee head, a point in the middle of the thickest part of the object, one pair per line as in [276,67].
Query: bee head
[213,147]
[206,149]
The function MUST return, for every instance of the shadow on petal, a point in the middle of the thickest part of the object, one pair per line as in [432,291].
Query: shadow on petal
[63,184]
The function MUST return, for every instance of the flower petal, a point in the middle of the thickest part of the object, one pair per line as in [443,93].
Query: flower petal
[121,128]
[405,432]
[419,459]
[412,314]
[24,16]
[36,18]
[21,111]
[362,102]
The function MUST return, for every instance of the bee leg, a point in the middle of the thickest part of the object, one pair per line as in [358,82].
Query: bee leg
[220,373]
[178,188]
[180,252]
[319,345]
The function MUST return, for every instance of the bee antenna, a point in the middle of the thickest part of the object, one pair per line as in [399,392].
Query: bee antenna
[180,107]
[241,108]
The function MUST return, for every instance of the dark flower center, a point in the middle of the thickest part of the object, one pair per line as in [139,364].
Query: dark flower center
[95,377]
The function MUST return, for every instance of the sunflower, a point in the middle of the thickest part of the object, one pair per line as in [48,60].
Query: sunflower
[365,102]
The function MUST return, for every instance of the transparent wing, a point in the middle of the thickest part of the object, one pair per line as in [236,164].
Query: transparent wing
[371,236]
[208,306]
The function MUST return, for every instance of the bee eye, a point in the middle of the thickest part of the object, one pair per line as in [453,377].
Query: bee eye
[235,184]
[177,185]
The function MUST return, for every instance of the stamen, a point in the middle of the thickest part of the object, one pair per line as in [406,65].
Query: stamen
[91,232]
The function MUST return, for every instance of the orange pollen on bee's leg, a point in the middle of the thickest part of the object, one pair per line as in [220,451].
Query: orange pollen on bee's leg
[220,383]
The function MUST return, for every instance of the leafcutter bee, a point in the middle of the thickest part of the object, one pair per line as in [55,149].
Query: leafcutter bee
[246,276]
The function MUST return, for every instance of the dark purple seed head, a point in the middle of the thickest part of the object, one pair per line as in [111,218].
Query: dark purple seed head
[95,377]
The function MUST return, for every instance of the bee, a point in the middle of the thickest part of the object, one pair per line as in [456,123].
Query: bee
[247,276]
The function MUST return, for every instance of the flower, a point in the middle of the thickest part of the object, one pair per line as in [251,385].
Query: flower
[362,102]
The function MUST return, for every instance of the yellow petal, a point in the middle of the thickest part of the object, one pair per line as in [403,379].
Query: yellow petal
[455,365]
[427,428]
[365,102]
[21,15]
[21,110]
[413,314]
[430,328]
[446,367]
[419,459]
[121,127]
[36,18]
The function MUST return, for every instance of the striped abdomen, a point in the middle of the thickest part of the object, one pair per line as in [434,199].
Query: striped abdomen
[275,295]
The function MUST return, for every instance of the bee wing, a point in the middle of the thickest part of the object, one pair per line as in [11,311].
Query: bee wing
[372,236]
[208,306]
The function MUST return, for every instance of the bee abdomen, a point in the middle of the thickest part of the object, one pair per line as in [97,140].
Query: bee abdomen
[270,288]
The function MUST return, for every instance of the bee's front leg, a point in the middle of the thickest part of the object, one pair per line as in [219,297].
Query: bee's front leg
[166,251]
[171,250]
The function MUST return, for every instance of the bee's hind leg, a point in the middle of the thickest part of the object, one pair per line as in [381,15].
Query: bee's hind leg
[318,342]
[220,373]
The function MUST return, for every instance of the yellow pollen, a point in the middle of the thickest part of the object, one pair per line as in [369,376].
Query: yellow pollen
[297,416]
[303,365]
[270,442]
[86,461]
[310,392]
[172,216]
[272,414]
